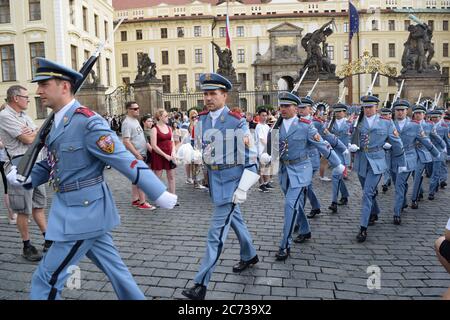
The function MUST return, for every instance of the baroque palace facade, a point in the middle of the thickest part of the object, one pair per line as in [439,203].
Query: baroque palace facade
[177,35]
[66,31]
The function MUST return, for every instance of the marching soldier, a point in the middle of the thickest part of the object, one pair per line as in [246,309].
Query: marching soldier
[424,155]
[411,134]
[442,131]
[341,129]
[370,160]
[295,172]
[83,212]
[228,182]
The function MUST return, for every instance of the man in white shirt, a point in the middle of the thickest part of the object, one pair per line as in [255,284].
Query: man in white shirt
[261,133]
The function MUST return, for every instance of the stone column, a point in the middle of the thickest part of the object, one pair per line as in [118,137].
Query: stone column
[326,90]
[93,97]
[429,83]
[145,94]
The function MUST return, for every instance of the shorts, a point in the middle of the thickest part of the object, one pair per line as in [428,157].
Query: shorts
[24,201]
[2,170]
[444,250]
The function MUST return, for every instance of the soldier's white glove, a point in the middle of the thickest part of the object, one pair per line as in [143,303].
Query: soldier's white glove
[387,146]
[353,147]
[265,158]
[402,169]
[338,170]
[166,200]
[12,178]
[248,179]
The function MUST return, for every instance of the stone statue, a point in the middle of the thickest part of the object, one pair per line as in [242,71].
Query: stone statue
[317,59]
[146,68]
[95,80]
[418,49]
[225,62]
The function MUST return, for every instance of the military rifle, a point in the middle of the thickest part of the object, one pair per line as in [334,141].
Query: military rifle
[26,162]
[357,124]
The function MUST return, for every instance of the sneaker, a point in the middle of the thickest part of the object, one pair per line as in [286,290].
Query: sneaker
[263,188]
[13,220]
[31,253]
[136,203]
[189,181]
[146,206]
[269,186]
[199,186]
[325,179]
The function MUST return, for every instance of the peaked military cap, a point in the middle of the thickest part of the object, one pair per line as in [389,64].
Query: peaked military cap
[434,113]
[401,104]
[385,111]
[369,101]
[419,108]
[287,98]
[306,102]
[214,81]
[339,107]
[47,69]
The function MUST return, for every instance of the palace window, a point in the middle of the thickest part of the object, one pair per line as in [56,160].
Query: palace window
[35,9]
[8,63]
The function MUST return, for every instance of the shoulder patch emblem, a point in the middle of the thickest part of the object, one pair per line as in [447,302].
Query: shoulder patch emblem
[304,120]
[85,111]
[235,114]
[106,144]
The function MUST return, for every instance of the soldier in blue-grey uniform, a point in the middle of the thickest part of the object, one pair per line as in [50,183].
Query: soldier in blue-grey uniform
[83,212]
[342,130]
[424,155]
[230,158]
[441,130]
[411,134]
[295,172]
[387,175]
[306,111]
[370,163]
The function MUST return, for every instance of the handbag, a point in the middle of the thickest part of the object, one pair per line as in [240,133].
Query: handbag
[172,164]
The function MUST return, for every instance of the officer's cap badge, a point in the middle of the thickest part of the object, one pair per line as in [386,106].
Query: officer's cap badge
[207,76]
[106,144]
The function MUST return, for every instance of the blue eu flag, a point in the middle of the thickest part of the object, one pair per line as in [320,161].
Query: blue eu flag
[354,19]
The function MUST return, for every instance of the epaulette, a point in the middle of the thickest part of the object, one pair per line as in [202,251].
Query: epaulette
[416,121]
[85,111]
[385,118]
[317,119]
[304,120]
[444,125]
[237,115]
[204,112]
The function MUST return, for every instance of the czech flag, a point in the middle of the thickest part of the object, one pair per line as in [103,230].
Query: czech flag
[228,34]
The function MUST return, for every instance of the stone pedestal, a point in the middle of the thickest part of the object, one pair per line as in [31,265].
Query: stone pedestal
[326,90]
[233,95]
[93,97]
[145,95]
[429,83]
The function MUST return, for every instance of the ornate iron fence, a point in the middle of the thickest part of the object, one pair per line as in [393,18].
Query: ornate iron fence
[115,101]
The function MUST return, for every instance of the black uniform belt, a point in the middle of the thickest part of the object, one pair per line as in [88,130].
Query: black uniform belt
[79,184]
[294,161]
[216,167]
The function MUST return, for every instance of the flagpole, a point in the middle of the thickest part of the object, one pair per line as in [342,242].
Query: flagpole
[350,77]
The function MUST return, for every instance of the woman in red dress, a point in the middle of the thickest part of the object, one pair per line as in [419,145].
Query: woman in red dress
[163,148]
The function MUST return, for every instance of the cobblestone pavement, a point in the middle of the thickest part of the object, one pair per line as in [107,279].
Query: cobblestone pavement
[163,250]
